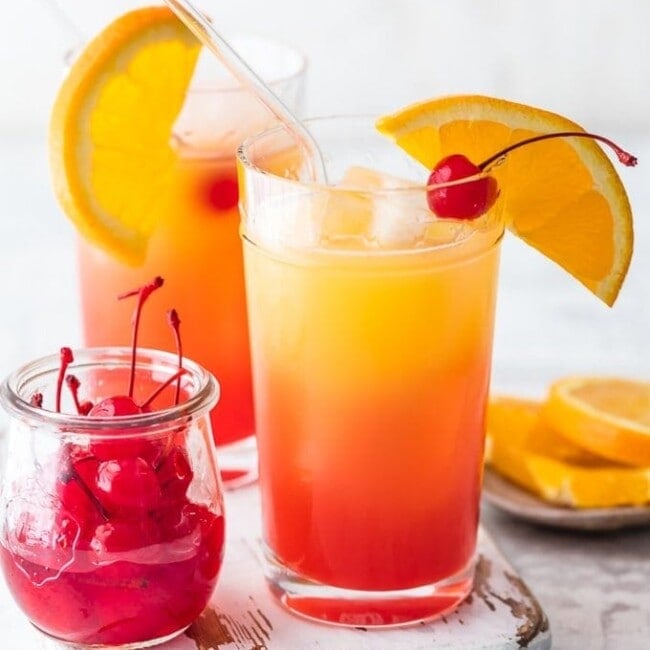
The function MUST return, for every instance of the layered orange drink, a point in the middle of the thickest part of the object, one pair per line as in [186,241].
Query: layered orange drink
[371,281]
[371,330]
[144,134]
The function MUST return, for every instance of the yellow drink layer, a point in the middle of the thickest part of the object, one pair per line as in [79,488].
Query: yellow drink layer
[372,364]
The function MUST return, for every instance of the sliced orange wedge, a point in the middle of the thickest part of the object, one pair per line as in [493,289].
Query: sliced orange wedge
[608,417]
[561,196]
[111,126]
[523,448]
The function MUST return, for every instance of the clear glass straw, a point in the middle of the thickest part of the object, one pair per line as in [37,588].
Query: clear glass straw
[203,29]
[74,39]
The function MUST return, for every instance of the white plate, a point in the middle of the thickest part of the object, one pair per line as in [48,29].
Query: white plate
[512,499]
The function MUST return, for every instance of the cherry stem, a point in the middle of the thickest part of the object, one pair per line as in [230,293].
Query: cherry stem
[66,358]
[143,293]
[177,375]
[626,158]
[71,473]
[73,384]
[83,408]
[175,323]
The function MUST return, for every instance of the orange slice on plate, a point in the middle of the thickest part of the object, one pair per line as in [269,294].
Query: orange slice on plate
[609,417]
[523,448]
[561,196]
[111,126]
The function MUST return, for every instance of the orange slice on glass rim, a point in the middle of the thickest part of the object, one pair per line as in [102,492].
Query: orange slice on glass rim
[562,196]
[111,125]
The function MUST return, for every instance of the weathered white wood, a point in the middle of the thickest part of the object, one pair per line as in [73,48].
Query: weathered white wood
[243,615]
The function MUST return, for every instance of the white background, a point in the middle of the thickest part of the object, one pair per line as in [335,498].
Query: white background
[588,59]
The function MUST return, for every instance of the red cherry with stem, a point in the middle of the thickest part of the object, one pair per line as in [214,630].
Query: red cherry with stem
[462,201]
[110,407]
[175,323]
[66,358]
[78,505]
[472,198]
[82,471]
[143,293]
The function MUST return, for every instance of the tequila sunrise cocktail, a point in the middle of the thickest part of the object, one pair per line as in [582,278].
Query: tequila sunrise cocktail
[371,329]
[195,245]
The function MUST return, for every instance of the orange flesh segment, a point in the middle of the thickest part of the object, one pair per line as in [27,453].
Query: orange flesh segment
[561,196]
[111,124]
[523,448]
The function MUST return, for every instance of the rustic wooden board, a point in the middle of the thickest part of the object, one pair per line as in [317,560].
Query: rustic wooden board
[501,613]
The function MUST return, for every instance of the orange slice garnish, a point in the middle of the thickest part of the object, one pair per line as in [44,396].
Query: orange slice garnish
[561,196]
[111,125]
[523,447]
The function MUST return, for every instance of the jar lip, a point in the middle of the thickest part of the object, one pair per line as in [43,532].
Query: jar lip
[205,396]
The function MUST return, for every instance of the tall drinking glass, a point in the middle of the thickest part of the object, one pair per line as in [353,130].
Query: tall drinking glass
[196,246]
[371,327]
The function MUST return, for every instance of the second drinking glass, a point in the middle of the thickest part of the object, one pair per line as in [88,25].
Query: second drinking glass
[196,246]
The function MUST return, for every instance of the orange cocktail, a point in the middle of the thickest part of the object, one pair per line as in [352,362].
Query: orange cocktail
[371,330]
[195,246]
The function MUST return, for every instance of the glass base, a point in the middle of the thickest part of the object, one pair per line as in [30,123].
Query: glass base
[353,608]
[54,643]
[238,463]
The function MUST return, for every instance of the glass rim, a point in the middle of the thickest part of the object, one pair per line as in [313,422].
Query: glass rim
[315,186]
[298,68]
[143,424]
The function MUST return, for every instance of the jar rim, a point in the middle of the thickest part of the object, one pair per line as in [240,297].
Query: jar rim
[204,397]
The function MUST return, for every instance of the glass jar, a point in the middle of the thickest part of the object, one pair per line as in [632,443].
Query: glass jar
[111,528]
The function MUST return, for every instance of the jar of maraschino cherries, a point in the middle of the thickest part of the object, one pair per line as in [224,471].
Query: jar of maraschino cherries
[111,520]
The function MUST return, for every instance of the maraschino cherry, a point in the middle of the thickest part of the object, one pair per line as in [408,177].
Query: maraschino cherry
[222,193]
[120,534]
[473,198]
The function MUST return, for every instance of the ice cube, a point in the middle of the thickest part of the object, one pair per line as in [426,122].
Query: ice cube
[289,221]
[399,214]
